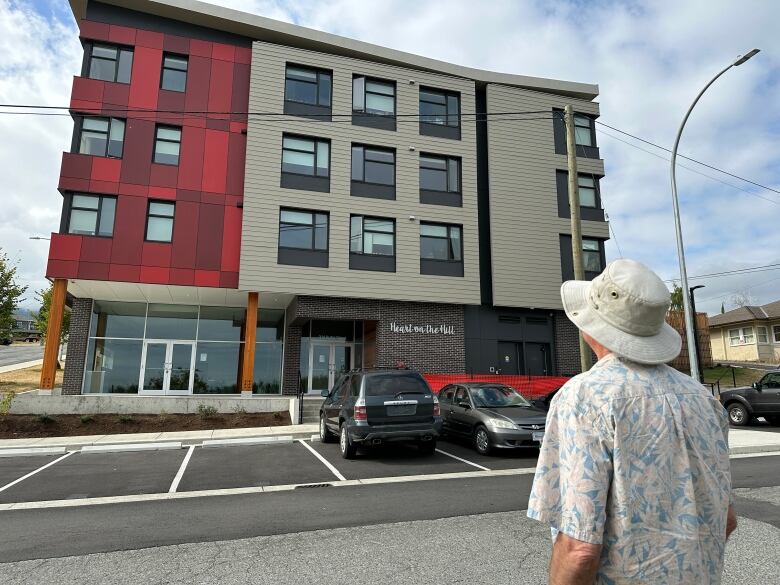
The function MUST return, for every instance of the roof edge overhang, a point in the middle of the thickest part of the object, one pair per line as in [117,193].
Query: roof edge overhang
[273,31]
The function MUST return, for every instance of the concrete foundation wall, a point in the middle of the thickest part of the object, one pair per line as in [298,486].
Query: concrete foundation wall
[34,403]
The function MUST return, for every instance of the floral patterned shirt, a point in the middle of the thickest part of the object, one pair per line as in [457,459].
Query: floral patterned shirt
[635,457]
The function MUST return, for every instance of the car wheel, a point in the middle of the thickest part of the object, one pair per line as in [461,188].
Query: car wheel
[482,441]
[738,415]
[325,435]
[348,448]
[427,447]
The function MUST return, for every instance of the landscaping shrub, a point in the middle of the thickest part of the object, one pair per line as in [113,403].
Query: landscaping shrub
[126,418]
[206,411]
[5,402]
[240,410]
[86,419]
[45,419]
[277,416]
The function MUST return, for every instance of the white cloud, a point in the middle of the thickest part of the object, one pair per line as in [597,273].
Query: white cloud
[649,58]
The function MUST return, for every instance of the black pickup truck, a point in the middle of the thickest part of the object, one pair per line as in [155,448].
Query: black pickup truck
[760,399]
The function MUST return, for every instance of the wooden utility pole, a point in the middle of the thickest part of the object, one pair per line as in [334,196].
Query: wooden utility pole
[250,338]
[576,223]
[53,334]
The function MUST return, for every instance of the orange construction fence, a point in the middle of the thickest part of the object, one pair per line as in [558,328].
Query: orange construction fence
[531,387]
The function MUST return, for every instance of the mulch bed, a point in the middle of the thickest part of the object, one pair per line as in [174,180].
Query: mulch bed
[24,426]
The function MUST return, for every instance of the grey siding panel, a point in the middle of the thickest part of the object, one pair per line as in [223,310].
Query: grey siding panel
[259,269]
[524,222]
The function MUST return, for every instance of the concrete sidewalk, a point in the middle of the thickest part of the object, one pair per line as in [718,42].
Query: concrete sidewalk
[185,437]
[744,441]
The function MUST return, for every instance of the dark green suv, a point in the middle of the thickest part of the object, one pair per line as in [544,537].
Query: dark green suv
[369,407]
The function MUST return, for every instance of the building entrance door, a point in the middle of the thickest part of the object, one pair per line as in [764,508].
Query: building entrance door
[539,359]
[327,360]
[166,367]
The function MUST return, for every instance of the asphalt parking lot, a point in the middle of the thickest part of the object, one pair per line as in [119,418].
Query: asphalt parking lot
[77,475]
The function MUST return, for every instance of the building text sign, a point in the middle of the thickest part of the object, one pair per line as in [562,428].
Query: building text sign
[424,329]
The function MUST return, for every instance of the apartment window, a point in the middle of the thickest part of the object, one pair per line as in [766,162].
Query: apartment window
[110,63]
[174,73]
[374,101]
[372,235]
[167,144]
[583,130]
[439,113]
[90,215]
[587,190]
[762,335]
[305,163]
[741,336]
[373,172]
[441,249]
[776,333]
[102,136]
[307,86]
[303,237]
[159,221]
[440,180]
[591,255]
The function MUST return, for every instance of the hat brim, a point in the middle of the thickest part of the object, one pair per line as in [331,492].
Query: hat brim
[660,348]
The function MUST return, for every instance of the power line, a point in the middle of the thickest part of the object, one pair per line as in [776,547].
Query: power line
[737,271]
[714,168]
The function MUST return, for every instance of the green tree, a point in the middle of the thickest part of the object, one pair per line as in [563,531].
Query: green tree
[677,298]
[10,295]
[42,316]
[722,307]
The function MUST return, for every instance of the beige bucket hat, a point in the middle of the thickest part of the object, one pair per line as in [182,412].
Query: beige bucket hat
[624,309]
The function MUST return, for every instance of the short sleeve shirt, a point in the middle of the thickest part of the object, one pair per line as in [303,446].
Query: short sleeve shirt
[635,458]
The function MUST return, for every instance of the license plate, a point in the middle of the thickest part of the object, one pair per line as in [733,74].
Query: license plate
[402,410]
[538,436]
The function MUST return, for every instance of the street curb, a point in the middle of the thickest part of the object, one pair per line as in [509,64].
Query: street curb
[284,439]
[118,448]
[32,451]
[20,366]
[314,439]
[753,449]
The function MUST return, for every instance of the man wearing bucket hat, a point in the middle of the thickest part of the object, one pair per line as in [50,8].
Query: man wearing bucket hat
[633,475]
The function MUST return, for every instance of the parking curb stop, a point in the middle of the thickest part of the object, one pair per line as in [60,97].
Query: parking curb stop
[284,439]
[118,448]
[25,451]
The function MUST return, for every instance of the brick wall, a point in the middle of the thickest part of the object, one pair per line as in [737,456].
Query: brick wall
[78,337]
[567,346]
[426,352]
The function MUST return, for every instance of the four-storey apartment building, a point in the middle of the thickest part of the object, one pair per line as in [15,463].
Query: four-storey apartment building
[252,206]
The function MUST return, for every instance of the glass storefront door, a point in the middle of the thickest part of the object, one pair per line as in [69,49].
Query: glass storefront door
[166,367]
[328,360]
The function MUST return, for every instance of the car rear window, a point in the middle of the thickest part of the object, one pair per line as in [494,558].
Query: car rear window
[390,384]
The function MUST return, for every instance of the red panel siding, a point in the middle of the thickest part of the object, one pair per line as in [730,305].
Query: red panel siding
[207,184]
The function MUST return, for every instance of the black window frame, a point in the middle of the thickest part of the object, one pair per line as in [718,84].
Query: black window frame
[559,134]
[79,131]
[89,55]
[186,70]
[362,260]
[598,251]
[314,257]
[68,208]
[157,139]
[438,266]
[362,117]
[319,73]
[309,182]
[562,188]
[440,130]
[149,214]
[448,197]
[567,262]
[363,188]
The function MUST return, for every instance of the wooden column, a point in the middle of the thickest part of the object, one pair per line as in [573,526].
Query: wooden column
[250,338]
[53,333]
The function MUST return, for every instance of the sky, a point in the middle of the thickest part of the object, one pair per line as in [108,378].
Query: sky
[649,58]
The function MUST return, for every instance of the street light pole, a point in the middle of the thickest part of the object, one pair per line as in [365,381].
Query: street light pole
[695,329]
[689,332]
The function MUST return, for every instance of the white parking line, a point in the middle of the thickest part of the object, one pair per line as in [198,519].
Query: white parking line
[466,461]
[324,461]
[49,464]
[180,473]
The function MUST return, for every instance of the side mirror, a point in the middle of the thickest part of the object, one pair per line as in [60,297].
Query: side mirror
[324,393]
[464,404]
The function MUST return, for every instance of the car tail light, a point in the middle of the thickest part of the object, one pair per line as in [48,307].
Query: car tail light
[360,410]
[436,407]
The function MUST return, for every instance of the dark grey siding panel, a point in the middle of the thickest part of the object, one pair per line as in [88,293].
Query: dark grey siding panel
[305,183]
[315,258]
[369,121]
[100,12]
[321,113]
[440,267]
[361,189]
[441,198]
[483,199]
[369,262]
[440,131]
